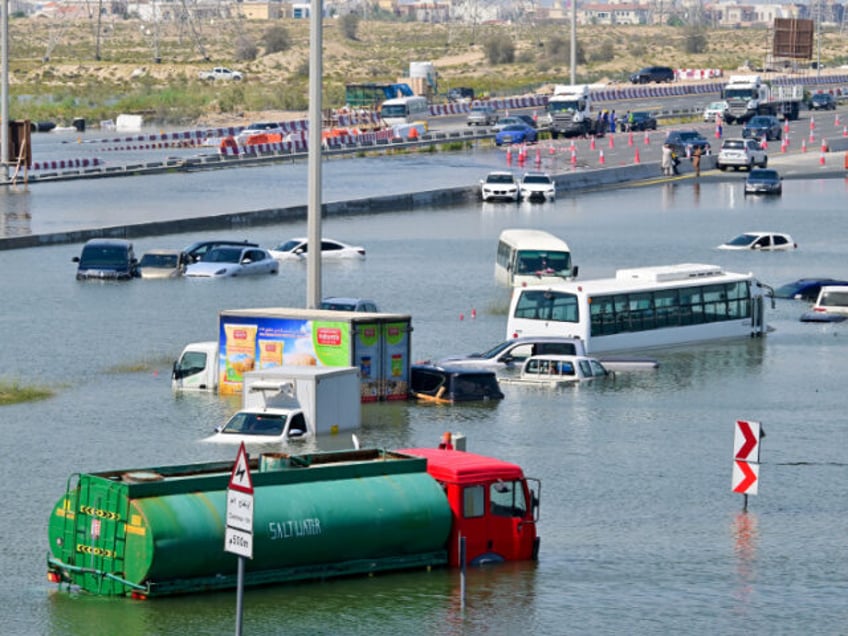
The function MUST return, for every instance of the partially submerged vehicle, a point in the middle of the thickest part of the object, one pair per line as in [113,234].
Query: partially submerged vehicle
[830,306]
[557,370]
[448,384]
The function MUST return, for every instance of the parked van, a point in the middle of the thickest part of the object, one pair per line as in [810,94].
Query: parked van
[405,110]
[107,259]
[532,257]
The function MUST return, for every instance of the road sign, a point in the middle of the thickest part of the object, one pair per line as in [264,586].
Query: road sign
[240,477]
[746,442]
[238,535]
[746,477]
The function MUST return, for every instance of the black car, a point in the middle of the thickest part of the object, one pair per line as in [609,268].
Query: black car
[683,141]
[196,251]
[641,120]
[453,384]
[650,74]
[460,93]
[106,259]
[822,101]
[760,126]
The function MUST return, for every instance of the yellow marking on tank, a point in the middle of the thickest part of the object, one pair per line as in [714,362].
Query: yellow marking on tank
[136,530]
[135,520]
[63,512]
[95,551]
[98,512]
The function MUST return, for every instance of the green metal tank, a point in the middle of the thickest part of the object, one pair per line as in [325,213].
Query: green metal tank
[161,530]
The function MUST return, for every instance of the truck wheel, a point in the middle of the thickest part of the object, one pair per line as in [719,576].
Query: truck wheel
[554,134]
[721,167]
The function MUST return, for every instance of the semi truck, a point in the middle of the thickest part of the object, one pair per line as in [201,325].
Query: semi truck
[257,339]
[569,111]
[749,95]
[160,531]
[292,402]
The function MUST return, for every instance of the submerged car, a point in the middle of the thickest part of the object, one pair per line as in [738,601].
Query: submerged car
[447,384]
[499,186]
[162,264]
[297,249]
[806,288]
[338,303]
[764,181]
[763,126]
[831,305]
[516,134]
[106,259]
[197,251]
[557,370]
[537,186]
[512,353]
[763,241]
[223,262]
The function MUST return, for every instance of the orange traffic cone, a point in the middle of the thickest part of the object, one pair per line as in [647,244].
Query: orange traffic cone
[803,145]
[601,159]
[551,150]
[636,158]
[812,123]
[647,138]
[573,156]
[836,120]
[508,156]
[612,141]
[824,145]
[592,144]
[821,159]
[538,155]
[630,139]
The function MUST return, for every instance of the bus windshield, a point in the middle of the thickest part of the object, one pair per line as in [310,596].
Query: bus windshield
[544,304]
[543,262]
[394,110]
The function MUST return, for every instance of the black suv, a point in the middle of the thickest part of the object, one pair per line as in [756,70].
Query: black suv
[650,74]
[822,101]
[197,251]
[460,93]
[102,259]
[683,140]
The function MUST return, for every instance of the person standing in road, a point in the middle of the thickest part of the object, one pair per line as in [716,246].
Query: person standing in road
[612,122]
[666,160]
[696,160]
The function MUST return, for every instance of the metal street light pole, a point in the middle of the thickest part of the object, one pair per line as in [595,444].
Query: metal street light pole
[313,213]
[4,109]
[573,42]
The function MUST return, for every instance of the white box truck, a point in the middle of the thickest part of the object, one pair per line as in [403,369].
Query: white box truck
[259,339]
[294,401]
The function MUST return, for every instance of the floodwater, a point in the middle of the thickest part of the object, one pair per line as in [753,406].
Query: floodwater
[641,533]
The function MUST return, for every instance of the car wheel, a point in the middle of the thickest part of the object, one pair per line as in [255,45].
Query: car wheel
[764,163]
[721,167]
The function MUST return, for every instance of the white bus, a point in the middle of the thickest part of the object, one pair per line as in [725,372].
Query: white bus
[643,308]
[532,257]
[405,110]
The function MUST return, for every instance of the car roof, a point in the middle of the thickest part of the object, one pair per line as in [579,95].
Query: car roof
[163,251]
[347,300]
[453,370]
[114,242]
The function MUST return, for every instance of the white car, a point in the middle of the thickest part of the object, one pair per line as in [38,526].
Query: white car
[499,186]
[221,73]
[715,108]
[537,186]
[741,153]
[231,261]
[296,249]
[763,241]
[830,306]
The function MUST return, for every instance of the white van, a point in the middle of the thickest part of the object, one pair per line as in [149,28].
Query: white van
[405,110]
[532,257]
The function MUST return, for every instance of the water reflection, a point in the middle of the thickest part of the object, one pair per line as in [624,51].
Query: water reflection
[15,211]
[745,538]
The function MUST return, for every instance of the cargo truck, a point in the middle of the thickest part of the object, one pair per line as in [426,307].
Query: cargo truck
[569,112]
[749,95]
[293,401]
[152,532]
[257,339]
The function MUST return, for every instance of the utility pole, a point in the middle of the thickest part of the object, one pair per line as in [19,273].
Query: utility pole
[4,109]
[313,209]
[573,42]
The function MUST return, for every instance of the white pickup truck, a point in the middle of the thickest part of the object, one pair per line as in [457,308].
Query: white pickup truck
[220,72]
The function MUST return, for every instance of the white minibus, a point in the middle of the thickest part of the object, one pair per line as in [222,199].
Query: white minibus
[532,257]
[404,110]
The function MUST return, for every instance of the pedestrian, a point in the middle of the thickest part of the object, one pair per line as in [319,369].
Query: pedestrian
[666,160]
[696,160]
[612,122]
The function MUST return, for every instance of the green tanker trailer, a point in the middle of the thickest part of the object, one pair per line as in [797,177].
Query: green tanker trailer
[160,531]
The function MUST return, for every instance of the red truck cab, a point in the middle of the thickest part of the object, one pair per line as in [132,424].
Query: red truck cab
[494,506]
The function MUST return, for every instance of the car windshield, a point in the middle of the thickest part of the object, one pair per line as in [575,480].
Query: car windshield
[265,424]
[733,144]
[166,261]
[103,256]
[336,306]
[537,178]
[690,136]
[513,127]
[760,121]
[763,175]
[224,255]
[500,178]
[743,239]
[288,246]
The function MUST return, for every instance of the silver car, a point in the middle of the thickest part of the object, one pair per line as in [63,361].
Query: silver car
[511,354]
[483,115]
[223,262]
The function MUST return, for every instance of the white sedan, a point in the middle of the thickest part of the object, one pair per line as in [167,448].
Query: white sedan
[231,261]
[296,249]
[499,186]
[537,186]
[764,241]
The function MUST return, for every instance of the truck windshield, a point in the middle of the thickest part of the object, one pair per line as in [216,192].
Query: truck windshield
[740,93]
[560,107]
[266,424]
[506,499]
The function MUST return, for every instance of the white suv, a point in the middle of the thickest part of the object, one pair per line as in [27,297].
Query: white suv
[741,153]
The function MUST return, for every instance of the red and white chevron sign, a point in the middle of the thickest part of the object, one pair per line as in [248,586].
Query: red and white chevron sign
[746,442]
[746,477]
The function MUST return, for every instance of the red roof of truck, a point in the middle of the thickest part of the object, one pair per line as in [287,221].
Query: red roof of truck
[465,468]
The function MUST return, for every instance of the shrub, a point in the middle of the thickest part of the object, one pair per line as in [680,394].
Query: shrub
[695,41]
[499,49]
[606,53]
[350,24]
[276,39]
[558,51]
[246,49]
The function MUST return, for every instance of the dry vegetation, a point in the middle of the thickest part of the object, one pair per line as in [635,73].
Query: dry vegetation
[53,64]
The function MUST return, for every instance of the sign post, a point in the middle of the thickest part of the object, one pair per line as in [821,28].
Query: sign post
[238,536]
[746,459]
